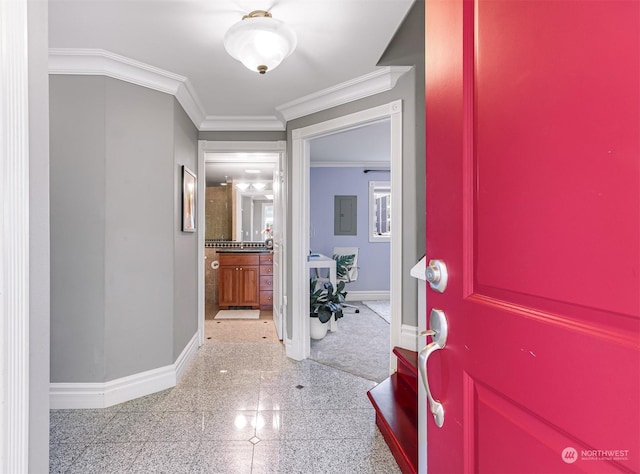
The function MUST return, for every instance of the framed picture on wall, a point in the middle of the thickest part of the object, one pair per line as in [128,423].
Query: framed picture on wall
[189,185]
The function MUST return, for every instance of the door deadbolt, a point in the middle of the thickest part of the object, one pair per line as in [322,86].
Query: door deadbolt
[437,275]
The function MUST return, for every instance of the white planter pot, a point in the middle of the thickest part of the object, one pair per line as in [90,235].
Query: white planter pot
[317,330]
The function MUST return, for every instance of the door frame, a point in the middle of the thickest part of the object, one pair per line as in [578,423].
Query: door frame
[262,151]
[298,346]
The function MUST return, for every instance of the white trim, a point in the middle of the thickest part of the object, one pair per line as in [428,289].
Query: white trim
[383,165]
[102,395]
[185,357]
[367,295]
[373,186]
[228,123]
[298,347]
[98,62]
[229,152]
[200,215]
[381,80]
[409,338]
[14,238]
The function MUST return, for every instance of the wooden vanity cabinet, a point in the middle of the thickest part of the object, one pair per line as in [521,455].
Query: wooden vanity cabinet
[266,282]
[238,280]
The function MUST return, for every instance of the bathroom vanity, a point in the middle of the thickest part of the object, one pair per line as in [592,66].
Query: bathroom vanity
[245,278]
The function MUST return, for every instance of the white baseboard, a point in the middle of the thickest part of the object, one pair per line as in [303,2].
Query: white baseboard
[187,354]
[367,295]
[102,395]
[409,337]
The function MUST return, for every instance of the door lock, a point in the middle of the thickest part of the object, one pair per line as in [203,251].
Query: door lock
[437,275]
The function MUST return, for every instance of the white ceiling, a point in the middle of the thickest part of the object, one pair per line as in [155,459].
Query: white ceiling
[370,144]
[338,41]
[217,173]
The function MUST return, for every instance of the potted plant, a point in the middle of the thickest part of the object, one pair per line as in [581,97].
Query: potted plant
[324,303]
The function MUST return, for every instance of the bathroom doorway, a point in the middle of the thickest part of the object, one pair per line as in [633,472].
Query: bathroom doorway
[242,195]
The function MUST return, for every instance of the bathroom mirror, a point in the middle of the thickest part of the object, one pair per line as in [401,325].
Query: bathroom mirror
[238,201]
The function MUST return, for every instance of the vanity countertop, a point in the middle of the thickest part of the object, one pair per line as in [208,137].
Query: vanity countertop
[247,250]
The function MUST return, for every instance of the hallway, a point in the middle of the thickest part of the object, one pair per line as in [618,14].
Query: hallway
[241,407]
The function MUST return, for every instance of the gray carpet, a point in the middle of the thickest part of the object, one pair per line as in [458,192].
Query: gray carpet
[381,307]
[360,346]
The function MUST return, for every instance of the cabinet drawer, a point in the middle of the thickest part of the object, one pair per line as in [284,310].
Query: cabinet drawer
[266,270]
[266,298]
[266,259]
[238,259]
[266,282]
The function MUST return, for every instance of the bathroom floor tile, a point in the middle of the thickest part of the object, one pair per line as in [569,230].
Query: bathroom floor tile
[341,424]
[282,424]
[229,425]
[62,455]
[178,426]
[106,457]
[232,397]
[280,398]
[283,456]
[225,457]
[79,426]
[364,456]
[170,458]
[129,426]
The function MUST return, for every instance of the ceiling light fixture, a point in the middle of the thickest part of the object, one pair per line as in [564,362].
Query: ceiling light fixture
[252,171]
[259,41]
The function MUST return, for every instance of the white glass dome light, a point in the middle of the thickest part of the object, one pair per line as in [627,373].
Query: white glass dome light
[259,41]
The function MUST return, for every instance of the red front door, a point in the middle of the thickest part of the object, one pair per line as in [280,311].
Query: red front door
[532,136]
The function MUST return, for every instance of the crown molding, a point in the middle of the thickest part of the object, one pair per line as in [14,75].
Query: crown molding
[381,80]
[98,62]
[228,123]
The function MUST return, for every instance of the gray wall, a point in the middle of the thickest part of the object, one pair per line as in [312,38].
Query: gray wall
[374,273]
[412,185]
[405,49]
[37,12]
[123,292]
[258,136]
[77,124]
[185,279]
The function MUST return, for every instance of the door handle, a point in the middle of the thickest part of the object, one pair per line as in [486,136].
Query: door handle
[438,332]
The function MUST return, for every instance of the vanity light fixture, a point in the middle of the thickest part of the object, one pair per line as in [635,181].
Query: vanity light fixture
[258,186]
[242,186]
[259,41]
[252,171]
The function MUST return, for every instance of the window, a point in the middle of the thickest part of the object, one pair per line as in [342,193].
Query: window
[379,211]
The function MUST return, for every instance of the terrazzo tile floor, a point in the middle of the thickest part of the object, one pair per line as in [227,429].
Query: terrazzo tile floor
[240,407]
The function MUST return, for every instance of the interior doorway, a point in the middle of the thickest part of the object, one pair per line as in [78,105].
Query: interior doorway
[264,202]
[298,342]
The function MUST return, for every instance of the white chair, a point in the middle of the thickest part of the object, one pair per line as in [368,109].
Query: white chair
[346,268]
